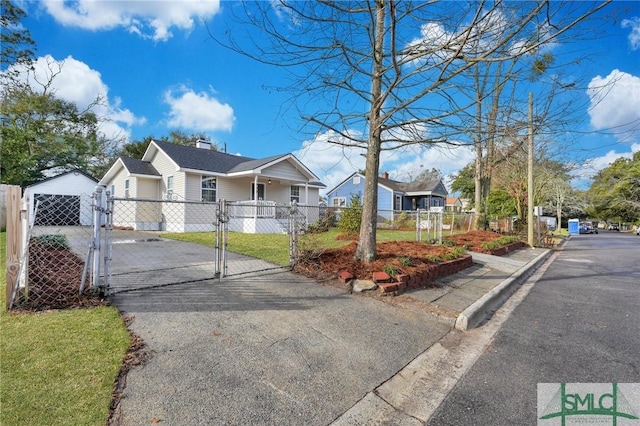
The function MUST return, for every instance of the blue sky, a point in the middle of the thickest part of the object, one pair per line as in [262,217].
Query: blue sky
[158,70]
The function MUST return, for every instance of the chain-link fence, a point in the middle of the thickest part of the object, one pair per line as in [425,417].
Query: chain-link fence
[57,237]
[154,243]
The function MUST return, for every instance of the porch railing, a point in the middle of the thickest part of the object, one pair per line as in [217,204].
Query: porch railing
[251,208]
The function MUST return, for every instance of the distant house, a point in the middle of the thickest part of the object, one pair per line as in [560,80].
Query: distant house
[62,200]
[173,172]
[392,195]
[454,204]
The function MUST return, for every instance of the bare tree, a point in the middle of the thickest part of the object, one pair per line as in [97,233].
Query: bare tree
[383,74]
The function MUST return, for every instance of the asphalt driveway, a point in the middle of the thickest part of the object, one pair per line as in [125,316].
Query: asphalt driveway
[268,348]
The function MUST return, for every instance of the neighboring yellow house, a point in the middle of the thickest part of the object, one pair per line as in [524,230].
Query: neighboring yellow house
[173,187]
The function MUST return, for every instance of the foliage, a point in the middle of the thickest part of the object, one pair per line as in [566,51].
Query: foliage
[391,270]
[405,261]
[58,241]
[463,182]
[16,45]
[454,253]
[433,258]
[615,191]
[351,216]
[41,132]
[501,204]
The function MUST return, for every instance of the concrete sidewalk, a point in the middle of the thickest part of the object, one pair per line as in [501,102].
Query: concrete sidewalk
[281,349]
[466,299]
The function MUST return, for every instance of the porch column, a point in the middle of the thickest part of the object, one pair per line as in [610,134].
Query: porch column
[255,199]
[306,193]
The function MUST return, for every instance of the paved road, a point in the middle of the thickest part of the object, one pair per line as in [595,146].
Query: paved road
[580,323]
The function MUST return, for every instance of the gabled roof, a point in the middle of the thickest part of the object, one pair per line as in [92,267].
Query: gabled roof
[414,188]
[191,158]
[75,172]
[188,158]
[428,186]
[139,167]
[133,166]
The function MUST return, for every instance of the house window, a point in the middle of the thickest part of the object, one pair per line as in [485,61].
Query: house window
[126,188]
[339,201]
[113,190]
[356,180]
[295,194]
[398,203]
[260,191]
[169,187]
[208,188]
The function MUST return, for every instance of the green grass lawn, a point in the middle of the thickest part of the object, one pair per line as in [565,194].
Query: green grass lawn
[58,367]
[275,247]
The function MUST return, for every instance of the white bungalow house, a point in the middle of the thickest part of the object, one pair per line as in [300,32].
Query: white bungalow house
[173,187]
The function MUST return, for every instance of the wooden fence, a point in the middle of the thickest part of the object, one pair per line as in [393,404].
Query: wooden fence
[10,202]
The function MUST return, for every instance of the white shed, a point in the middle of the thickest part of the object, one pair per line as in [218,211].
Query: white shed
[63,200]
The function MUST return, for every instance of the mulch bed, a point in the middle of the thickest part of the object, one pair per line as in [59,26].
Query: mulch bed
[55,275]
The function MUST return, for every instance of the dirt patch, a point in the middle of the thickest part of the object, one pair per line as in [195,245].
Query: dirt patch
[55,275]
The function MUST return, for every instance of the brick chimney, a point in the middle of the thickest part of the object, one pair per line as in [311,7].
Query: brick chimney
[384,175]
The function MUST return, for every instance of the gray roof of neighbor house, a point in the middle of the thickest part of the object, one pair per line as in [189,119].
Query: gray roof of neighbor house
[415,186]
[139,167]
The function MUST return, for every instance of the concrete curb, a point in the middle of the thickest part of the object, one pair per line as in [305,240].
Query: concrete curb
[472,316]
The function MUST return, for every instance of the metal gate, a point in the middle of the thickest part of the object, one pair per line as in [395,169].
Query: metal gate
[153,243]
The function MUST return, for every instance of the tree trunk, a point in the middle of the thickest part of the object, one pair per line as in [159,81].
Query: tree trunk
[366,250]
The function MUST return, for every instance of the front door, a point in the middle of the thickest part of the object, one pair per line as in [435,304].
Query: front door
[260,191]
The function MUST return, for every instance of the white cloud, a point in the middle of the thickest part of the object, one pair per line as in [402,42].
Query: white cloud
[583,175]
[198,111]
[149,19]
[615,104]
[74,81]
[333,163]
[634,35]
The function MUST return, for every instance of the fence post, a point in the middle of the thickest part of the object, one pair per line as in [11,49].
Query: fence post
[108,226]
[293,234]
[14,237]
[97,221]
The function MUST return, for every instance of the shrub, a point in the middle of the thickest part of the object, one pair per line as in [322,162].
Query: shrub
[391,270]
[405,261]
[433,258]
[53,241]
[351,217]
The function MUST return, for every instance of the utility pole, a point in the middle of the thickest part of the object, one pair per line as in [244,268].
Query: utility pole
[530,176]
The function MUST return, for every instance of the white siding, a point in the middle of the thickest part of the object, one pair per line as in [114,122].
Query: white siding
[166,168]
[285,170]
[67,184]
